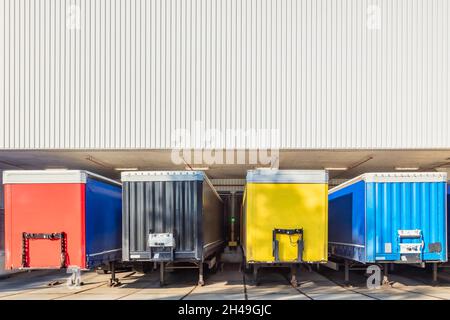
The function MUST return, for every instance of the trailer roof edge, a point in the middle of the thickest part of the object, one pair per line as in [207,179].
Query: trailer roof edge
[182,175]
[51,176]
[287,176]
[391,177]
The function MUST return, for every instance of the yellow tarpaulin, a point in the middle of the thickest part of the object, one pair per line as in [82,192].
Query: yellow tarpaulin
[285,206]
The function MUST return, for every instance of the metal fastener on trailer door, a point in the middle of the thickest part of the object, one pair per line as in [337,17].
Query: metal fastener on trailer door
[46,236]
[289,232]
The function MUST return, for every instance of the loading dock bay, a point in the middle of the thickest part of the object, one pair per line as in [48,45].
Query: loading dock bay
[229,284]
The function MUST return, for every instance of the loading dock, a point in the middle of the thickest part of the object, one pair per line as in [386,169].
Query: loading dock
[227,285]
[106,163]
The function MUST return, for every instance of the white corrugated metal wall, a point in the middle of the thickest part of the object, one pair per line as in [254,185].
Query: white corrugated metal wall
[96,74]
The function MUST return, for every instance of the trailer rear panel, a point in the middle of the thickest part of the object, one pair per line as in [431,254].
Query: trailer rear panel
[390,217]
[179,205]
[61,218]
[285,202]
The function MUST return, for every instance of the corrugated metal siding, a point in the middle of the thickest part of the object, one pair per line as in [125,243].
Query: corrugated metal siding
[448,220]
[364,219]
[405,206]
[158,207]
[188,209]
[320,71]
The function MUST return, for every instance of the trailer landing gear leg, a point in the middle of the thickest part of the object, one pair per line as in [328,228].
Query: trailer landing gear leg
[113,281]
[386,281]
[161,274]
[201,282]
[346,273]
[294,281]
[75,278]
[435,274]
[255,274]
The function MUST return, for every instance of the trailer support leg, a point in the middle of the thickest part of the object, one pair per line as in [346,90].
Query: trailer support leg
[294,281]
[435,274]
[386,275]
[75,278]
[255,274]
[346,273]
[161,274]
[201,282]
[113,281]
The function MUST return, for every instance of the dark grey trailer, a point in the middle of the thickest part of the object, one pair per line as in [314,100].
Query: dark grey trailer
[171,217]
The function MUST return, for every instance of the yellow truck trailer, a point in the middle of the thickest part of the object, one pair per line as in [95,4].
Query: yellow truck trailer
[285,219]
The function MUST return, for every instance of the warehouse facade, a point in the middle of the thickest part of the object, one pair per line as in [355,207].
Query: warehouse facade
[127,74]
[352,86]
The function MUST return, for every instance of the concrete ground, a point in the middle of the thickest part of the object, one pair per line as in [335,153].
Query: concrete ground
[229,284]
